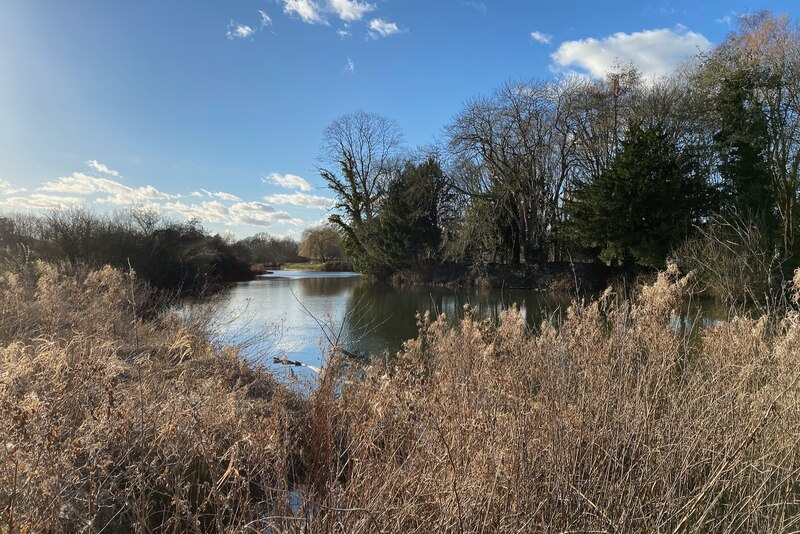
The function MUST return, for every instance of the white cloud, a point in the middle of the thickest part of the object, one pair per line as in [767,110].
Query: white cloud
[141,195]
[540,37]
[38,201]
[99,167]
[300,199]
[288,181]
[82,184]
[351,10]
[212,212]
[343,34]
[350,66]
[266,20]
[308,10]
[260,214]
[196,194]
[7,189]
[729,19]
[120,194]
[241,213]
[655,52]
[239,31]
[382,28]
[221,196]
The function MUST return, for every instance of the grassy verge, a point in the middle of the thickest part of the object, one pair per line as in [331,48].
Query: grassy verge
[303,266]
[613,422]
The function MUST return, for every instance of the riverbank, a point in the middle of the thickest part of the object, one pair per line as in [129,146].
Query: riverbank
[333,266]
[554,276]
[118,423]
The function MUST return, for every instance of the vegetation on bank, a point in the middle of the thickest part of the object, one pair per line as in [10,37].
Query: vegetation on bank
[328,266]
[701,166]
[303,266]
[121,419]
[167,254]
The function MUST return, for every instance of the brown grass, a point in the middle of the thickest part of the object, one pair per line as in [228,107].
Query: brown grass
[613,422]
[99,435]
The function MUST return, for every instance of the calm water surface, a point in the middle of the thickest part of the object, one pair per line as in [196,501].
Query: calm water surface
[297,313]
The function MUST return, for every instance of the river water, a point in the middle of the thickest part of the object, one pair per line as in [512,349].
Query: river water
[297,314]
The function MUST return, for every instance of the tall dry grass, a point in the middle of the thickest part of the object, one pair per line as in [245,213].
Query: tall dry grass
[612,422]
[114,424]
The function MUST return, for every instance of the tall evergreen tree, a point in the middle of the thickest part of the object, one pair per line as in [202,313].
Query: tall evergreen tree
[644,203]
[742,142]
[409,220]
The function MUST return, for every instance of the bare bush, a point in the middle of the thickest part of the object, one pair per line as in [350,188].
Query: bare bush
[732,259]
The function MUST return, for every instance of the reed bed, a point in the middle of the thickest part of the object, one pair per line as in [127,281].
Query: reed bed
[612,422]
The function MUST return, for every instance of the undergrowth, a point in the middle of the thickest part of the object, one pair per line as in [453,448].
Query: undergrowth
[611,422]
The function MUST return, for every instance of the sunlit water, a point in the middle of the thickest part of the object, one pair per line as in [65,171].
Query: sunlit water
[298,314]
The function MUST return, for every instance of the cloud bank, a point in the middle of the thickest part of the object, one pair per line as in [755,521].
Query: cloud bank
[655,52]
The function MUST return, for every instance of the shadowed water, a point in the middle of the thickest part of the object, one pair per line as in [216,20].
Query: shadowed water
[297,314]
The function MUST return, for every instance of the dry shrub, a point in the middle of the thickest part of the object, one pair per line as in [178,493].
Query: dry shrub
[613,422]
[114,424]
[732,259]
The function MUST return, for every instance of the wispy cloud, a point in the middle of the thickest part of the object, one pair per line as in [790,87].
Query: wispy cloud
[343,34]
[350,10]
[207,206]
[119,194]
[100,167]
[239,31]
[540,37]
[349,66]
[477,6]
[7,189]
[300,199]
[38,201]
[382,28]
[266,20]
[221,195]
[240,213]
[654,52]
[287,181]
[728,19]
[308,10]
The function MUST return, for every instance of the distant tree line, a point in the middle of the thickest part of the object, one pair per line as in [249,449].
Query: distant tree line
[168,254]
[623,170]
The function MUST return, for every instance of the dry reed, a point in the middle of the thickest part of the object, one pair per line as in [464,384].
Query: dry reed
[612,422]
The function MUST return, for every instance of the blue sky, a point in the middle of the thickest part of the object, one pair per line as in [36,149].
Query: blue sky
[215,109]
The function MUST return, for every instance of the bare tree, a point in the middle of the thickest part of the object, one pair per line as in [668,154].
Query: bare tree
[513,150]
[358,155]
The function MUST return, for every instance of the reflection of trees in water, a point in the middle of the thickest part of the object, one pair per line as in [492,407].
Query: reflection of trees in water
[381,317]
[377,319]
[326,287]
[534,306]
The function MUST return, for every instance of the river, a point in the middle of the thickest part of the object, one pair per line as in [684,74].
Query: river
[295,314]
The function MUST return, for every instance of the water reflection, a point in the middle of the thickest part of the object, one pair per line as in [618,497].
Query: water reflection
[301,311]
[381,317]
[296,314]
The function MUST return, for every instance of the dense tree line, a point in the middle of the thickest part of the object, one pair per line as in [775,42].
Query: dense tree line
[618,169]
[269,250]
[168,254]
